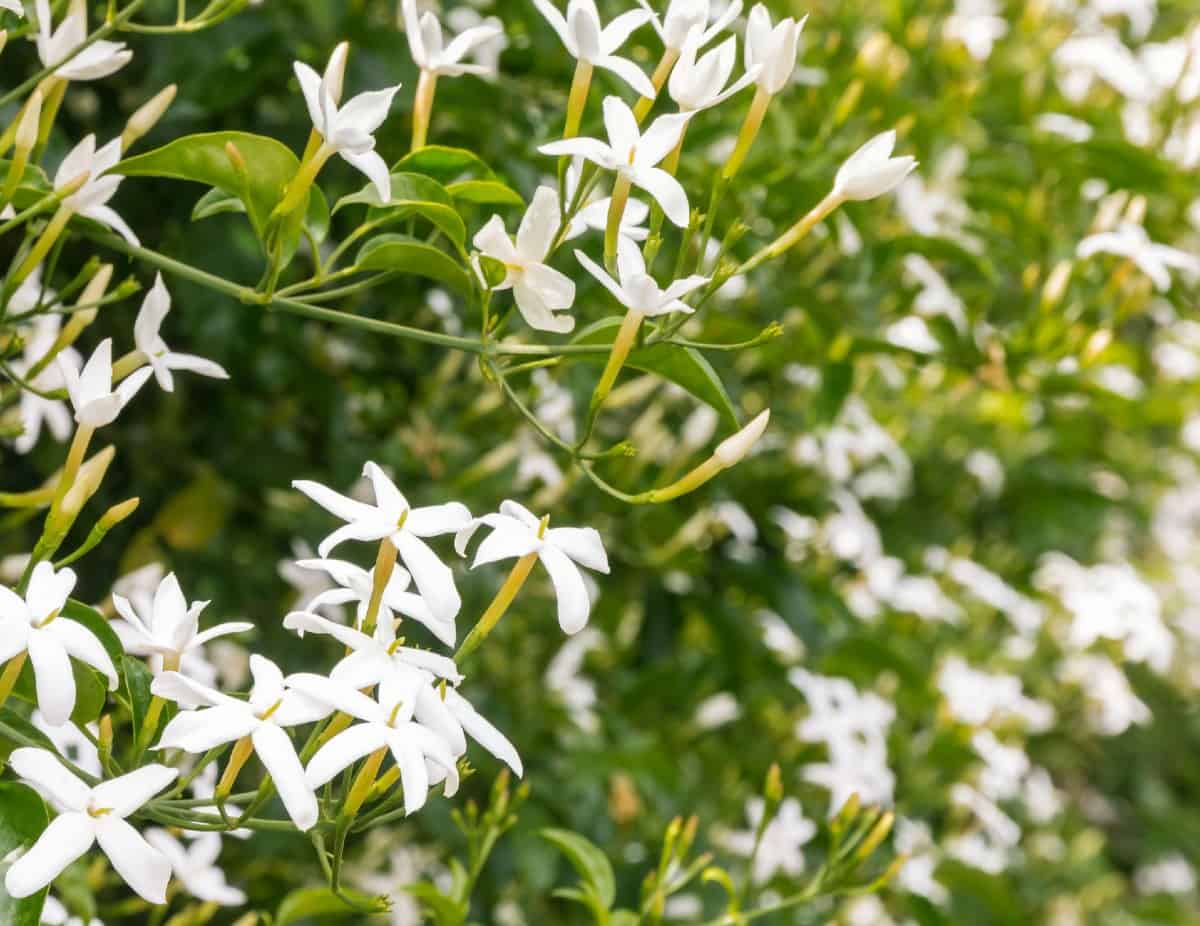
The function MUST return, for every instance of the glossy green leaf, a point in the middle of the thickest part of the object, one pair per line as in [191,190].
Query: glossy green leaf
[311,902]
[216,202]
[445,164]
[684,366]
[16,731]
[592,864]
[412,194]
[136,679]
[402,254]
[445,911]
[23,817]
[485,193]
[202,158]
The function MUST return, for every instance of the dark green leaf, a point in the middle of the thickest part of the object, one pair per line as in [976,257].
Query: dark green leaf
[683,366]
[308,902]
[445,164]
[412,194]
[402,254]
[592,865]
[485,193]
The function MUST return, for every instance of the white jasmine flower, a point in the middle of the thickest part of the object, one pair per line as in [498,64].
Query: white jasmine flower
[1155,260]
[71,743]
[781,849]
[771,49]
[386,722]
[636,289]
[13,6]
[587,41]
[348,130]
[634,155]
[37,411]
[34,625]
[686,16]
[54,46]
[86,816]
[428,48]
[487,51]
[977,24]
[698,83]
[91,390]
[540,290]
[392,517]
[91,199]
[55,914]
[355,584]
[169,627]
[872,171]
[1169,874]
[162,359]
[214,719]
[1067,127]
[195,866]
[517,532]
[977,698]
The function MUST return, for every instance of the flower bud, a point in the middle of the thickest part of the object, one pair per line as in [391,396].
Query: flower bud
[872,171]
[147,115]
[733,449]
[87,482]
[335,71]
[877,834]
[92,293]
[773,787]
[27,127]
[117,513]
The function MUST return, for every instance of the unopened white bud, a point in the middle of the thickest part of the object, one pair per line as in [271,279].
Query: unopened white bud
[733,450]
[147,115]
[27,128]
[872,171]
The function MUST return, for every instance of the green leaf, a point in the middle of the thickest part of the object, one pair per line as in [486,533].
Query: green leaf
[444,910]
[137,679]
[316,217]
[94,621]
[836,381]
[16,731]
[485,193]
[403,254]
[202,158]
[308,902]
[684,366]
[412,194]
[23,817]
[445,164]
[592,865]
[216,202]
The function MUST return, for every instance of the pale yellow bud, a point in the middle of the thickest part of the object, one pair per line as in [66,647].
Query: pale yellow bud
[147,115]
[733,449]
[27,128]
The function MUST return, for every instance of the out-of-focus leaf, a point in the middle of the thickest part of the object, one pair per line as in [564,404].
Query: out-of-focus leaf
[195,514]
[23,817]
[310,902]
[592,864]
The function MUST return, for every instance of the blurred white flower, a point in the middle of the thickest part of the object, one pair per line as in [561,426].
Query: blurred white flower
[54,46]
[430,51]
[683,17]
[781,850]
[587,41]
[1132,242]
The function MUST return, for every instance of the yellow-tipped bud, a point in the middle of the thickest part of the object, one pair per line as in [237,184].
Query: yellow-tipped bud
[27,127]
[733,450]
[773,787]
[147,116]
[878,834]
[87,482]
[118,513]
[92,293]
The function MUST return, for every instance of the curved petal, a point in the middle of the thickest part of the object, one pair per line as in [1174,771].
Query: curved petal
[557,22]
[366,531]
[81,643]
[536,312]
[220,630]
[367,111]
[621,125]
[505,543]
[189,693]
[66,838]
[435,520]
[582,544]
[492,240]
[201,366]
[343,751]
[337,694]
[591,149]
[127,793]
[142,866]
[613,35]
[556,290]
[109,217]
[658,140]
[628,72]
[433,578]
[569,589]
[603,278]
[413,776]
[52,673]
[275,750]
[310,87]
[41,768]
[334,502]
[202,729]
[374,168]
[539,225]
[306,622]
[667,191]
[482,731]
[48,590]
[432,711]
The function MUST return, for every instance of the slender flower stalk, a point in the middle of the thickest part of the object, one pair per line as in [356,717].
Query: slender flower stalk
[577,99]
[498,607]
[728,453]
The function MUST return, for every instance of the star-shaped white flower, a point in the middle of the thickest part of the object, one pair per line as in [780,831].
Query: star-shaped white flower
[215,718]
[38,411]
[91,199]
[95,400]
[35,625]
[161,358]
[596,45]
[348,130]
[385,721]
[636,289]
[872,171]
[355,585]
[634,155]
[169,628]
[771,49]
[54,46]
[685,16]
[430,51]
[392,517]
[1131,241]
[86,816]
[781,846]
[540,290]
[195,866]
[698,83]
[517,532]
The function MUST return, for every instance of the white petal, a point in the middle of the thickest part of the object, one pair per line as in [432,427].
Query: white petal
[367,111]
[620,28]
[569,588]
[482,731]
[343,751]
[413,776]
[388,498]
[48,589]
[582,544]
[275,750]
[187,692]
[556,290]
[436,520]
[143,867]
[41,768]
[628,72]
[604,279]
[620,124]
[493,241]
[66,838]
[539,225]
[127,793]
[667,191]
[433,578]
[303,622]
[334,502]
[505,543]
[374,168]
[52,674]
[337,694]
[662,136]
[220,630]
[81,643]
[591,149]
[201,730]
[532,305]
